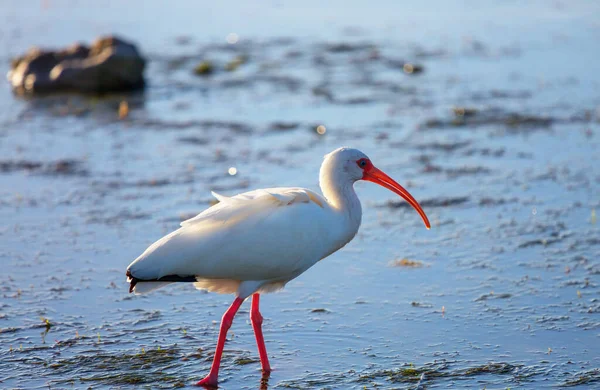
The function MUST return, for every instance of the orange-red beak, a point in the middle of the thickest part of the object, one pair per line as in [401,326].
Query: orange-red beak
[377,176]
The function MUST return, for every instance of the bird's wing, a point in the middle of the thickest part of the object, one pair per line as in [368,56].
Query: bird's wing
[257,235]
[236,208]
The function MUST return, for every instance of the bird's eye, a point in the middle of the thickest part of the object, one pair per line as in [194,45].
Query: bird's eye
[362,162]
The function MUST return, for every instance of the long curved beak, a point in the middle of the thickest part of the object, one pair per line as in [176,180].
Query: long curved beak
[377,176]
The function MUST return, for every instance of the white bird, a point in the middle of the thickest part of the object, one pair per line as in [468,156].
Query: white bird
[258,241]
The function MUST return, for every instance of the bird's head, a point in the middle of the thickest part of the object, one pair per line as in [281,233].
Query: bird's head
[350,165]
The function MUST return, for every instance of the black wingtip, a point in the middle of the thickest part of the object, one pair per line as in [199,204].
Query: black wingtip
[132,281]
[168,278]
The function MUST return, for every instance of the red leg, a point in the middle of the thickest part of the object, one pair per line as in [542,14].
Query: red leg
[211,379]
[257,319]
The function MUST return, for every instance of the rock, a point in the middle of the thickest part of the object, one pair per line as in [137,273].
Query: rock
[412,68]
[110,64]
[204,68]
[236,63]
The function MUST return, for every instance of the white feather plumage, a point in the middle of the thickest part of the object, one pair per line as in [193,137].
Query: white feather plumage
[245,243]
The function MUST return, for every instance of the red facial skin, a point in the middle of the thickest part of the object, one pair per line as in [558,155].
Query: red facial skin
[375,175]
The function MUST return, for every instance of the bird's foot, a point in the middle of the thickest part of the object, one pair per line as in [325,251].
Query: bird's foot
[266,374]
[264,380]
[210,381]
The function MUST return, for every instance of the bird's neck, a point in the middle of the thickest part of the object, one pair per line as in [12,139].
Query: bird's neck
[343,200]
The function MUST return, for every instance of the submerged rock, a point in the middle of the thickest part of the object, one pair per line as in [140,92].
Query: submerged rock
[204,68]
[110,64]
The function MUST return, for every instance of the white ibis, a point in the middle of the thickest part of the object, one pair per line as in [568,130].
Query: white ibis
[256,242]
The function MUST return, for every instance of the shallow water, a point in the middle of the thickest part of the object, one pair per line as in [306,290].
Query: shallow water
[506,288]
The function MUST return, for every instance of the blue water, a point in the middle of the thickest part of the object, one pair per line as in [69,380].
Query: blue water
[509,275]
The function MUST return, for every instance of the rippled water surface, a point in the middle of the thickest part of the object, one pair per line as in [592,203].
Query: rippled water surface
[497,136]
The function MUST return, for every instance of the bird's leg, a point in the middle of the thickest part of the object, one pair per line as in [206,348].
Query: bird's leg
[257,319]
[212,378]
